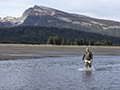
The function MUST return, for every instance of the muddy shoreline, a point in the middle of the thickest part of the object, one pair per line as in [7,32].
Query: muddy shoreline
[22,51]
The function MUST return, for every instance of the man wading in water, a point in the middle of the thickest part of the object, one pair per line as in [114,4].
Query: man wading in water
[88,58]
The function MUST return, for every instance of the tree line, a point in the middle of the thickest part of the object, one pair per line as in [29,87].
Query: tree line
[55,40]
[40,35]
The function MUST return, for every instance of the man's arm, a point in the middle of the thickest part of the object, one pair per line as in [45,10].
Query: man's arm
[91,56]
[83,58]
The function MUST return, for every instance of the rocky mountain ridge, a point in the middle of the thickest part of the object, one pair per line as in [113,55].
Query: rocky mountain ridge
[44,16]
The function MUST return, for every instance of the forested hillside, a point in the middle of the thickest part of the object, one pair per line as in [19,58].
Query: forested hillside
[40,35]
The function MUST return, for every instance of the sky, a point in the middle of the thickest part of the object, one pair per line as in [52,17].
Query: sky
[101,9]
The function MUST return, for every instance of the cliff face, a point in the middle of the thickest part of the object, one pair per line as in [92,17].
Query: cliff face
[44,16]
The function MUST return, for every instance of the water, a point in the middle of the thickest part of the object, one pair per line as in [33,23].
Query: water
[60,73]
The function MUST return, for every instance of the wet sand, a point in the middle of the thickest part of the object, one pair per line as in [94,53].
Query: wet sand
[22,51]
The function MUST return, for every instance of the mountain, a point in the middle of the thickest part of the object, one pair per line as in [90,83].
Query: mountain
[44,16]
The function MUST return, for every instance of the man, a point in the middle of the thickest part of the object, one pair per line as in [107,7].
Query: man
[88,58]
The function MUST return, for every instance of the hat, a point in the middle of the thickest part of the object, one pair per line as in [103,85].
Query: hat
[87,49]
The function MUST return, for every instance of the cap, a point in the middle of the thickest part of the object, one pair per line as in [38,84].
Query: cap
[87,49]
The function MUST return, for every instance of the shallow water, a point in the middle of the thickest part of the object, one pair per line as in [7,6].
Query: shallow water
[60,73]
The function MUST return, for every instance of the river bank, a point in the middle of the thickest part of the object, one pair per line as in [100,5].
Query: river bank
[22,51]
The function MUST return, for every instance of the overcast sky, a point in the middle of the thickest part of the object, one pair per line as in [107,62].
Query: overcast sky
[102,9]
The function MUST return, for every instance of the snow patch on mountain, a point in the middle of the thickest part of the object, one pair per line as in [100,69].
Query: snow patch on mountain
[64,19]
[111,27]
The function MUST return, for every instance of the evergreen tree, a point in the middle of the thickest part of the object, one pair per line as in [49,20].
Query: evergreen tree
[91,42]
[87,42]
[55,40]
[110,43]
[63,41]
[50,40]
[76,42]
[59,41]
[98,43]
[80,42]
[84,42]
[67,42]
[104,42]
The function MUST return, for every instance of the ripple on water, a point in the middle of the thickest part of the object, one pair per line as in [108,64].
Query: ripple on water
[60,74]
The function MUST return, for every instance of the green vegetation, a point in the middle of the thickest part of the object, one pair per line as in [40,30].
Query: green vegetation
[52,21]
[8,41]
[55,36]
[62,41]
[57,41]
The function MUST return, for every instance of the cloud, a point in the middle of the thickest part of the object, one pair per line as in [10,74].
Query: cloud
[14,7]
[107,9]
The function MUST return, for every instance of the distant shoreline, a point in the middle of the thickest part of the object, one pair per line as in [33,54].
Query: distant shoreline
[29,51]
[54,45]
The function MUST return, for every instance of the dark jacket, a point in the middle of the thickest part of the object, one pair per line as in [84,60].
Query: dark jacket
[87,56]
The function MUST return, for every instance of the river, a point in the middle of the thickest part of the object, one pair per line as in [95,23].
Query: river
[61,73]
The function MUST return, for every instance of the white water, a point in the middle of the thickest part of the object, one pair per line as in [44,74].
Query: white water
[89,69]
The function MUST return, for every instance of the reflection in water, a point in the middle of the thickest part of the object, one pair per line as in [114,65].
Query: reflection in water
[87,76]
[89,81]
[88,73]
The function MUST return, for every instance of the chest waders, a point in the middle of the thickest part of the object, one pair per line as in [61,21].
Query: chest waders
[87,62]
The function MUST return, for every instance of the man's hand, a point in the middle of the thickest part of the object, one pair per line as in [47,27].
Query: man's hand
[82,60]
[90,59]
